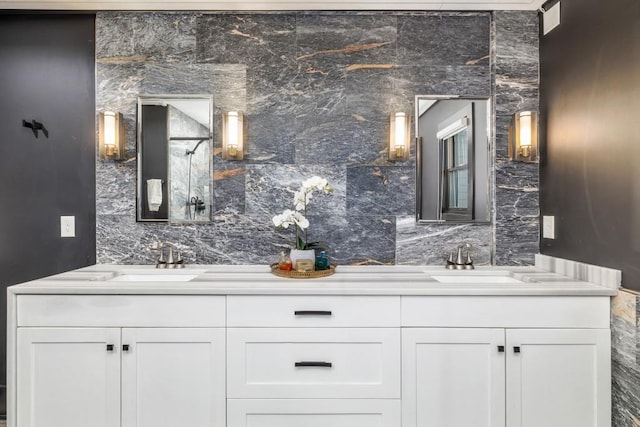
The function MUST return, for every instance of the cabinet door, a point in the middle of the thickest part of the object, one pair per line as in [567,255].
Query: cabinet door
[558,378]
[453,378]
[68,377]
[173,377]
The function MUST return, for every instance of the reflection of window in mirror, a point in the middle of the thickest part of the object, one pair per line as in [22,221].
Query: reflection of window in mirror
[453,158]
[456,140]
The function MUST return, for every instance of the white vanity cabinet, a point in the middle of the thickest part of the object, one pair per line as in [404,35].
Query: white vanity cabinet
[270,354]
[517,376]
[70,375]
[313,361]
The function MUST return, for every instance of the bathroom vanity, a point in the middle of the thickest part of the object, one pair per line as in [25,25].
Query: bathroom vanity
[236,346]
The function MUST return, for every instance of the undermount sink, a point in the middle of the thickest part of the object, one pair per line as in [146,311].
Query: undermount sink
[168,277]
[454,278]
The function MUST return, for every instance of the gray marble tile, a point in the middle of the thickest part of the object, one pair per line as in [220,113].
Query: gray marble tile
[372,90]
[625,395]
[251,39]
[270,189]
[274,89]
[357,240]
[178,79]
[238,239]
[317,88]
[515,203]
[116,188]
[624,330]
[140,37]
[517,240]
[351,139]
[270,138]
[431,244]
[381,190]
[327,42]
[229,87]
[118,87]
[229,188]
[121,240]
[461,80]
[517,39]
[444,39]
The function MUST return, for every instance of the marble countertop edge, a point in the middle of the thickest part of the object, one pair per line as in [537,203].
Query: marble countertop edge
[348,280]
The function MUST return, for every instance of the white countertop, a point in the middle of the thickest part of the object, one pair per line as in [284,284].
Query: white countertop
[348,280]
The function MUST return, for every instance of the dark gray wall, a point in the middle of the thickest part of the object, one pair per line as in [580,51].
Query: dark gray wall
[590,169]
[47,74]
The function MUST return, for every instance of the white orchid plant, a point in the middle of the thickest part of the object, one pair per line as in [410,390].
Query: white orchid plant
[298,217]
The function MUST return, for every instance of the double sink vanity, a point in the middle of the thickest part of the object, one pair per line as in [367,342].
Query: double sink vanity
[379,346]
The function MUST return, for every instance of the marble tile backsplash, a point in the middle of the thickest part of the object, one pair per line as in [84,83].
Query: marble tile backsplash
[625,359]
[317,89]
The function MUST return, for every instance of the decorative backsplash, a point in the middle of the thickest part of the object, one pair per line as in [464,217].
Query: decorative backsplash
[317,90]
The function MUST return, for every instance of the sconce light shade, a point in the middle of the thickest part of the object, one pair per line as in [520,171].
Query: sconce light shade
[400,137]
[523,137]
[111,136]
[232,135]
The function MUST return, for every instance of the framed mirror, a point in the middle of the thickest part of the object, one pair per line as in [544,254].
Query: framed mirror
[453,159]
[174,158]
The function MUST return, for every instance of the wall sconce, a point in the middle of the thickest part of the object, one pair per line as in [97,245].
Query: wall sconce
[399,137]
[232,135]
[523,137]
[111,139]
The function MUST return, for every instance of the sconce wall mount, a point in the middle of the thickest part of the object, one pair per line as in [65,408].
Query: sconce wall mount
[523,137]
[399,137]
[111,136]
[232,135]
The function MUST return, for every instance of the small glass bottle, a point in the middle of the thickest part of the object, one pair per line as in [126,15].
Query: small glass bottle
[322,261]
[284,262]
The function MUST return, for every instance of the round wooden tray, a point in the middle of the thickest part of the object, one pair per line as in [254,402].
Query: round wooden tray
[302,274]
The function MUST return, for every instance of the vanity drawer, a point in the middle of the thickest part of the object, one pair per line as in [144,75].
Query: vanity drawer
[313,413]
[280,311]
[313,363]
[121,310]
[506,311]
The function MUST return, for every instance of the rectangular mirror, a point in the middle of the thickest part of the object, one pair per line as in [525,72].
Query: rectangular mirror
[174,158]
[453,158]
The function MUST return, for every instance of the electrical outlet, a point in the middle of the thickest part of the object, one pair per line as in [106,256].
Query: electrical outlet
[549,227]
[67,226]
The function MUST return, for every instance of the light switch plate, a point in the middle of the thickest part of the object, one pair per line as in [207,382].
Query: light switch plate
[548,227]
[67,226]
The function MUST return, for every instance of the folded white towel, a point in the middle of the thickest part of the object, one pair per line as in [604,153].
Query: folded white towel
[154,194]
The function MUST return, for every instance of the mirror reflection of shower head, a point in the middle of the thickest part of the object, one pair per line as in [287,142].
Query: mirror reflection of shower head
[196,147]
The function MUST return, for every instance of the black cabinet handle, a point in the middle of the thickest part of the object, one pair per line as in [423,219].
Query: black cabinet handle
[125,347]
[500,349]
[313,364]
[516,349]
[312,313]
[109,347]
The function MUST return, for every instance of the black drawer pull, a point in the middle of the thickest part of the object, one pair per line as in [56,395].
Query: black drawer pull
[109,347]
[125,347]
[500,349]
[312,313]
[314,364]
[516,349]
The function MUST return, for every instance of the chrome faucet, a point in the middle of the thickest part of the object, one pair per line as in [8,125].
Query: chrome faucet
[460,262]
[171,260]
